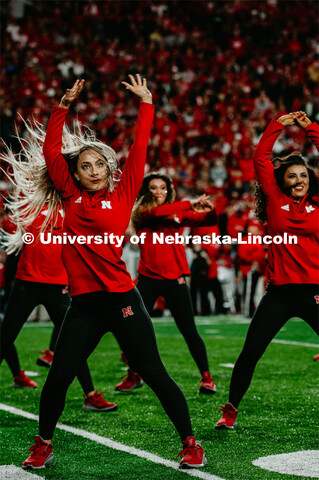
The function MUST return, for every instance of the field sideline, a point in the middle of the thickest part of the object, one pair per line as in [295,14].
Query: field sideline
[278,415]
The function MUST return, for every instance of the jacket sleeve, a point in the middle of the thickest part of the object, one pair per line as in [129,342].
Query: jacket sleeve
[263,167]
[195,219]
[312,132]
[52,150]
[133,171]
[166,210]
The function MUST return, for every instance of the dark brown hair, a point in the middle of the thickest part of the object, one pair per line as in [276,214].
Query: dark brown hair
[145,200]
[280,166]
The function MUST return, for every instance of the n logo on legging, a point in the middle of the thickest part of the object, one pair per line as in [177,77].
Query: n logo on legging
[127,311]
[316,297]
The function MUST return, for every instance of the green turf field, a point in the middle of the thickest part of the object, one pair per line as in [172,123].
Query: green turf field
[279,414]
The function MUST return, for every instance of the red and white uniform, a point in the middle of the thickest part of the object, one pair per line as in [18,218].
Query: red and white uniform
[168,261]
[95,267]
[288,263]
[41,262]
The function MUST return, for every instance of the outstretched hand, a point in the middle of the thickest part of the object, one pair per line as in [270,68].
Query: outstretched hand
[139,88]
[203,204]
[301,119]
[71,94]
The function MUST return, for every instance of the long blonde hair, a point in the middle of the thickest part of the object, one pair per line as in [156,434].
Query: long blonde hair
[32,185]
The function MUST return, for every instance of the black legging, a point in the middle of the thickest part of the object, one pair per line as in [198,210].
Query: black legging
[278,305]
[88,319]
[177,296]
[24,297]
[54,338]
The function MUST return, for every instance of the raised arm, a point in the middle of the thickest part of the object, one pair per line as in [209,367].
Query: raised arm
[311,129]
[133,172]
[263,167]
[52,147]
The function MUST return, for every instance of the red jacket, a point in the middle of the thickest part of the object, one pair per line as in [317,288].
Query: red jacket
[40,262]
[248,254]
[212,252]
[95,267]
[168,261]
[288,263]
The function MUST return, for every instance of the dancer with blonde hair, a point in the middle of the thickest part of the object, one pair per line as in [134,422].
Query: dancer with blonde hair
[103,295]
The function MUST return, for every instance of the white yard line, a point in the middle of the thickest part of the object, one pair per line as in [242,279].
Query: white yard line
[115,445]
[11,472]
[230,319]
[284,342]
[298,344]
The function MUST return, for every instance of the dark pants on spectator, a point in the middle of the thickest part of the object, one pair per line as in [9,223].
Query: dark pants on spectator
[176,294]
[213,285]
[88,319]
[251,307]
[199,284]
[24,297]
[278,305]
[205,285]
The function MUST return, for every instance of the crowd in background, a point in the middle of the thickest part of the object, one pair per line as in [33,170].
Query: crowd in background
[218,71]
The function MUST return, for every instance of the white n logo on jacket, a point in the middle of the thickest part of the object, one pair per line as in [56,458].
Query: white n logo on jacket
[106,204]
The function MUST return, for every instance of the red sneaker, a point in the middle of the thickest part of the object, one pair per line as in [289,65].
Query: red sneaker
[131,380]
[316,358]
[229,417]
[46,360]
[207,384]
[22,381]
[96,403]
[41,455]
[192,453]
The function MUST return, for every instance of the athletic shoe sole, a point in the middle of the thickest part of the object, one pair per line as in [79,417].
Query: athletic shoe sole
[23,386]
[91,408]
[223,426]
[137,385]
[187,466]
[209,391]
[43,363]
[47,462]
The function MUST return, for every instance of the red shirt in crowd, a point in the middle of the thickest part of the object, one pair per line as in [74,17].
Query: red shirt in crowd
[41,262]
[168,261]
[288,263]
[249,254]
[211,249]
[91,266]
[212,252]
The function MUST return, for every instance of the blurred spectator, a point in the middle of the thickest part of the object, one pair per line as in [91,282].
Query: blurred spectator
[199,269]
[251,260]
[221,71]
[213,283]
